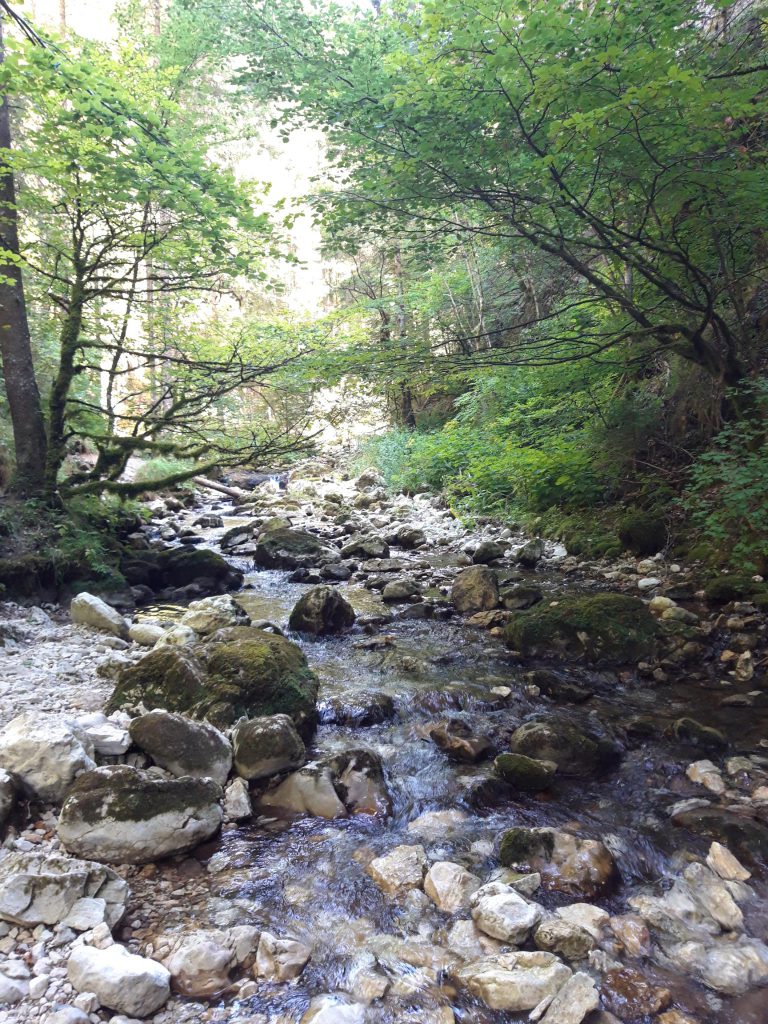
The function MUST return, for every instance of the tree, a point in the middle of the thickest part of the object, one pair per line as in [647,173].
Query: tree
[18,367]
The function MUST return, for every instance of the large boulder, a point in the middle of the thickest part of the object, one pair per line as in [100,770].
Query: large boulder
[212,613]
[321,610]
[179,567]
[613,628]
[182,746]
[88,610]
[566,863]
[292,549]
[475,589]
[123,815]
[45,754]
[573,749]
[241,671]
[200,962]
[514,981]
[121,981]
[38,888]
[266,746]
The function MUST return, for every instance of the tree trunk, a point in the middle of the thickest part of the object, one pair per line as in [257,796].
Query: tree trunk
[18,367]
[69,342]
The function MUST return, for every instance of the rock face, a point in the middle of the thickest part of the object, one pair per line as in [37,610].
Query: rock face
[514,981]
[320,611]
[212,613]
[183,747]
[292,549]
[241,671]
[88,610]
[475,589]
[612,628]
[123,815]
[266,746]
[45,754]
[580,867]
[121,981]
[43,889]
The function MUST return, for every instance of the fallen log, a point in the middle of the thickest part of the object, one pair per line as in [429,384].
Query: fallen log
[212,485]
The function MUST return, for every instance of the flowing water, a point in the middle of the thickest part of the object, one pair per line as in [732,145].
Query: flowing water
[305,878]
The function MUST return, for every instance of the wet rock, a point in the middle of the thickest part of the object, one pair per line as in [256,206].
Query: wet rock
[332,1009]
[237,801]
[322,610]
[292,549]
[109,737]
[475,589]
[580,867]
[145,634]
[212,613]
[124,815]
[725,865]
[358,707]
[577,998]
[456,739]
[384,565]
[182,746]
[612,628]
[450,886]
[571,748]
[564,938]
[358,778]
[628,994]
[7,795]
[558,688]
[520,598]
[400,590]
[732,968]
[632,932]
[129,984]
[370,477]
[501,912]
[436,824]
[38,888]
[466,939]
[360,546]
[586,916]
[747,835]
[688,730]
[206,569]
[704,773]
[280,959]
[266,746]
[88,610]
[531,554]
[514,981]
[408,537]
[399,870]
[528,774]
[200,962]
[310,791]
[45,754]
[241,671]
[487,551]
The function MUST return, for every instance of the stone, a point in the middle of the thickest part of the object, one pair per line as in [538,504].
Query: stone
[285,548]
[123,815]
[109,738]
[592,919]
[601,628]
[309,791]
[732,968]
[501,912]
[331,1009]
[487,551]
[528,774]
[88,610]
[14,982]
[556,739]
[73,1015]
[450,886]
[577,998]
[475,589]
[37,888]
[706,774]
[565,938]
[208,570]
[321,611]
[45,754]
[122,981]
[7,795]
[280,959]
[401,869]
[359,546]
[457,740]
[466,939]
[632,932]
[237,801]
[370,477]
[723,863]
[628,994]
[200,962]
[519,598]
[400,590]
[146,634]
[530,554]
[239,671]
[358,778]
[435,824]
[514,981]
[566,863]
[86,913]
[688,730]
[266,746]
[183,747]
[210,614]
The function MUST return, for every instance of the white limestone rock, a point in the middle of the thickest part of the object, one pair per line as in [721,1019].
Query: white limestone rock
[45,754]
[500,911]
[280,959]
[514,981]
[122,981]
[88,610]
[573,1002]
[450,886]
[399,870]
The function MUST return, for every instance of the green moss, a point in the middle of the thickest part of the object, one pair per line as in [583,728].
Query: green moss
[171,678]
[526,773]
[519,845]
[126,794]
[181,566]
[642,533]
[287,549]
[600,627]
[733,588]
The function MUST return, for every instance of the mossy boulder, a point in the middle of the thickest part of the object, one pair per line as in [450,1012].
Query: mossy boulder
[182,746]
[613,628]
[284,548]
[572,748]
[528,774]
[643,533]
[182,566]
[320,611]
[566,863]
[734,587]
[267,746]
[240,672]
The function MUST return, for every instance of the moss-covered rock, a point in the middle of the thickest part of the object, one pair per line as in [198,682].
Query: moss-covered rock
[240,672]
[688,730]
[182,566]
[321,610]
[291,549]
[566,863]
[528,774]
[574,750]
[642,533]
[612,628]
[734,587]
[181,746]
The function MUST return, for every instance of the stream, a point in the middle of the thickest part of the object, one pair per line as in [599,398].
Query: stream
[305,877]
